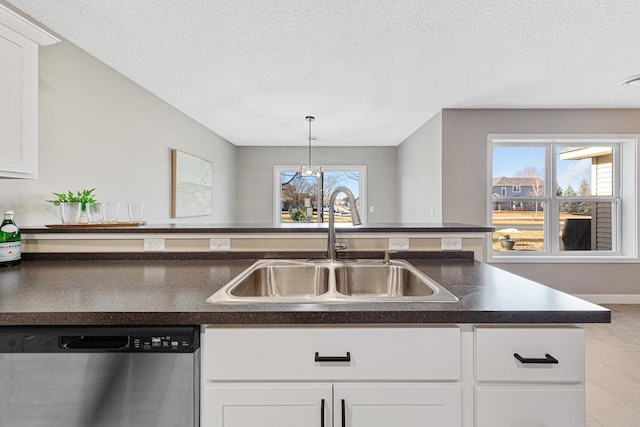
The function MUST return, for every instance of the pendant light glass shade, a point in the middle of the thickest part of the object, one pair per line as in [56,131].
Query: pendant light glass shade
[309,170]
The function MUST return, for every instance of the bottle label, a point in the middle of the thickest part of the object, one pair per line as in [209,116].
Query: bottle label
[9,228]
[10,251]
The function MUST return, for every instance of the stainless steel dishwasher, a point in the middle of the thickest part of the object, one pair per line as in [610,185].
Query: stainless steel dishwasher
[99,376]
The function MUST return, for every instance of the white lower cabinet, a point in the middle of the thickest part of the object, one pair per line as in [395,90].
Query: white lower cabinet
[421,376]
[529,376]
[330,404]
[331,377]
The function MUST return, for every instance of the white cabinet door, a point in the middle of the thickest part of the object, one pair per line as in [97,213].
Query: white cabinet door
[19,41]
[18,105]
[397,405]
[266,405]
[530,406]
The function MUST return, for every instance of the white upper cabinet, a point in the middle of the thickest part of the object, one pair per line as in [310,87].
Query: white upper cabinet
[19,41]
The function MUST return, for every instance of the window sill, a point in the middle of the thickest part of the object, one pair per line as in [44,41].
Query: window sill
[561,259]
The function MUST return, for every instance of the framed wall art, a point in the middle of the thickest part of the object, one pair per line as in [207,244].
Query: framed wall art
[191,185]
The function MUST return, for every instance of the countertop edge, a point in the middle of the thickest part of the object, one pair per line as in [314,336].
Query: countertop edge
[301,318]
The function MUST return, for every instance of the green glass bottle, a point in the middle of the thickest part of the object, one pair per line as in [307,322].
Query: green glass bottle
[10,241]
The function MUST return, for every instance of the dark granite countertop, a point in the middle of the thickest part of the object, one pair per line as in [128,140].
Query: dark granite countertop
[265,228]
[173,292]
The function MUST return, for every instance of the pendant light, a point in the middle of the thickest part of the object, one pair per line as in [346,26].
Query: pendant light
[310,170]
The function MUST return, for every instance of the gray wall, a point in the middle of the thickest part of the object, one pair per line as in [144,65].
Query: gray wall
[99,129]
[420,174]
[254,181]
[464,192]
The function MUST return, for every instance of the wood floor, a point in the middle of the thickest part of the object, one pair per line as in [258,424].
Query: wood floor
[613,369]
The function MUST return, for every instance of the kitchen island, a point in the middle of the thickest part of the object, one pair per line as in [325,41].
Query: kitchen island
[509,351]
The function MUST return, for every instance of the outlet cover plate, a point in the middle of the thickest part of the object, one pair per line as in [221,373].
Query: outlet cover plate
[219,245]
[451,244]
[398,244]
[154,245]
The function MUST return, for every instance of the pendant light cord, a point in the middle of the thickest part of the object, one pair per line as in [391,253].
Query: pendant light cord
[310,119]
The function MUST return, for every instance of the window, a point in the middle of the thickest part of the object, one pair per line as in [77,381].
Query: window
[568,201]
[306,198]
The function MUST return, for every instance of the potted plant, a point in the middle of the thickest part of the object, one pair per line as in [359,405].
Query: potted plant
[506,242]
[83,197]
[80,197]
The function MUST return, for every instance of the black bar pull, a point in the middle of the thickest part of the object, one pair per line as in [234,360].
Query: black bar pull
[346,358]
[344,415]
[322,413]
[548,359]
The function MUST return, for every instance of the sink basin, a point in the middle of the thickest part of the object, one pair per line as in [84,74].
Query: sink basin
[294,281]
[381,281]
[282,280]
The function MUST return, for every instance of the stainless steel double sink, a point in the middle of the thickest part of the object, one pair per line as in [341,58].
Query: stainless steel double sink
[296,281]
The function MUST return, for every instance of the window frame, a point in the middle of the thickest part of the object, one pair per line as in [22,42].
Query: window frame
[625,239]
[277,189]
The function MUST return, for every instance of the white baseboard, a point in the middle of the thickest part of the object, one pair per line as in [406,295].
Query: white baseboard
[610,299]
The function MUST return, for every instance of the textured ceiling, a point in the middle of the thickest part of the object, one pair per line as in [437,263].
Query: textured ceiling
[371,72]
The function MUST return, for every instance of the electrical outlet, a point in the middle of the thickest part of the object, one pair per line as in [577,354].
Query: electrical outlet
[398,244]
[452,244]
[219,245]
[154,245]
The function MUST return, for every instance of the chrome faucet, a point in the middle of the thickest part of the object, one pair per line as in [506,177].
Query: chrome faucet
[332,246]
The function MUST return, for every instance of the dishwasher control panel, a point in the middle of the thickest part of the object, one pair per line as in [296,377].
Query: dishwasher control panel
[100,339]
[162,343]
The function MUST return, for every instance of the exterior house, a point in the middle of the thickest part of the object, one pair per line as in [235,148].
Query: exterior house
[598,228]
[503,187]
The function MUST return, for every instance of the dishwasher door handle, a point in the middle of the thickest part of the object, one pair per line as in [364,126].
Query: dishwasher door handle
[93,342]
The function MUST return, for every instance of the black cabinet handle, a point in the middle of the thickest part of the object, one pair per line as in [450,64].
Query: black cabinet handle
[344,415]
[322,413]
[346,358]
[548,359]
